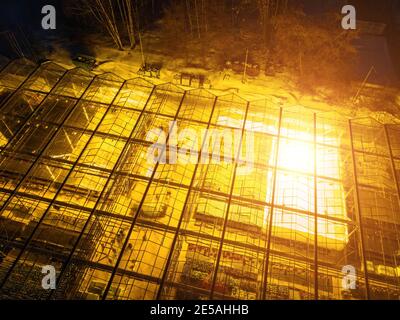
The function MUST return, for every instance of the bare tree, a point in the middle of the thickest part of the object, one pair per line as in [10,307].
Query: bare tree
[117,17]
[196,12]
[315,50]
[268,11]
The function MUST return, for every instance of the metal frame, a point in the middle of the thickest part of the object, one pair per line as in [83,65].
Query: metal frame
[136,221]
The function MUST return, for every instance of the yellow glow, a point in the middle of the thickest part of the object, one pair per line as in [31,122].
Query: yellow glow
[295,189]
[296,156]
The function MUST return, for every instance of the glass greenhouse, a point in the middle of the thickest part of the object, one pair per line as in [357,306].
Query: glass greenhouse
[307,207]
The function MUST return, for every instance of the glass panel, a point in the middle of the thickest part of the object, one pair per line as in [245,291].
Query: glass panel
[89,186]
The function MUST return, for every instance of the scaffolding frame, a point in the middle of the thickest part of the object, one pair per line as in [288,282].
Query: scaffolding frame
[77,191]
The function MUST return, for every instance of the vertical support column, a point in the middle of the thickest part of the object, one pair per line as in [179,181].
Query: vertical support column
[37,160]
[214,280]
[358,209]
[315,212]
[39,156]
[33,114]
[125,244]
[18,89]
[170,254]
[396,179]
[92,212]
[270,222]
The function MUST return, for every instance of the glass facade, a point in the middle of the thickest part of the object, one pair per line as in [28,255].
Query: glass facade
[305,204]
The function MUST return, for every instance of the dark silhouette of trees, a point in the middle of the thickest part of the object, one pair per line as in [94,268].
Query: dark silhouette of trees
[316,51]
[313,50]
[117,17]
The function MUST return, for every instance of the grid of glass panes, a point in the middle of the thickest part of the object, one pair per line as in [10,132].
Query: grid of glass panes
[298,198]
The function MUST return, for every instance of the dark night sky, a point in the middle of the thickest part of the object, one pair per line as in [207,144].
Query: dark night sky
[374,10]
[26,14]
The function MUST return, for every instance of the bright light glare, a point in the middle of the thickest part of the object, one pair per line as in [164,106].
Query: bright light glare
[295,189]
